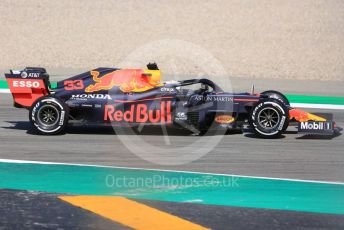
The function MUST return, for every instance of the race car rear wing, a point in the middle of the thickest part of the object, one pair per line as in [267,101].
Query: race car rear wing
[28,85]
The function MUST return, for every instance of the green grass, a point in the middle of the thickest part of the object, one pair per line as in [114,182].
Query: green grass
[308,99]
[3,84]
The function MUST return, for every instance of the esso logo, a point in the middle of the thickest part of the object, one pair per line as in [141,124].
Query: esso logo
[26,84]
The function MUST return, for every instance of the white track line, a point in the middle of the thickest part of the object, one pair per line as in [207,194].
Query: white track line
[166,170]
[4,91]
[317,106]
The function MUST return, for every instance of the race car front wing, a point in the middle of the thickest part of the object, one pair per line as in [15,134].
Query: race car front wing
[314,124]
[318,127]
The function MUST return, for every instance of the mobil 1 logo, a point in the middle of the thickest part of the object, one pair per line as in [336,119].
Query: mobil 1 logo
[316,127]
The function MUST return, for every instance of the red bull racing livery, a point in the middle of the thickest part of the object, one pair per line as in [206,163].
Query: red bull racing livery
[134,97]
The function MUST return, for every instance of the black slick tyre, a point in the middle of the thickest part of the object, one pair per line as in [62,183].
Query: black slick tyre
[269,118]
[49,116]
[277,95]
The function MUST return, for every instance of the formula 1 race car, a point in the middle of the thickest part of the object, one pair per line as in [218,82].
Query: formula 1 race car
[130,97]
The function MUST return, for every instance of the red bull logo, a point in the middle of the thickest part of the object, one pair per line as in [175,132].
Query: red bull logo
[302,116]
[128,80]
[139,113]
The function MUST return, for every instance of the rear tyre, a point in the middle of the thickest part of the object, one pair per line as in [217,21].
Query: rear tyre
[277,95]
[269,118]
[49,116]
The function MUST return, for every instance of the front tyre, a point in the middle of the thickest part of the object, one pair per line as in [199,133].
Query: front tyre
[49,115]
[269,118]
[277,95]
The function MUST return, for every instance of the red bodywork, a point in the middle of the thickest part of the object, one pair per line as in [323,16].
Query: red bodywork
[26,91]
